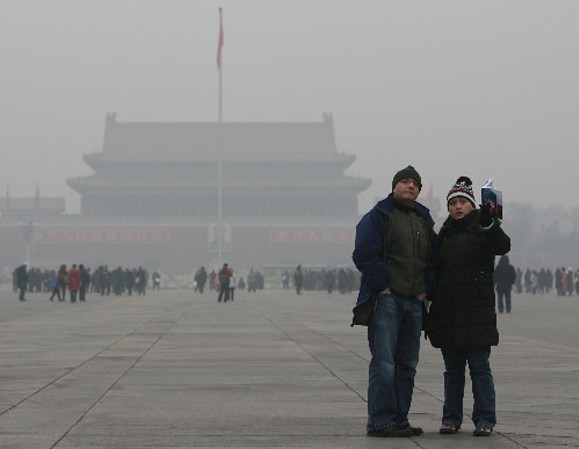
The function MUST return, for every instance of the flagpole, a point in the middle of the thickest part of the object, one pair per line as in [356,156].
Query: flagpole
[8,195]
[220,126]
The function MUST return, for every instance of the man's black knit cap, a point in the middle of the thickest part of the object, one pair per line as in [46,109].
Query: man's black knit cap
[408,172]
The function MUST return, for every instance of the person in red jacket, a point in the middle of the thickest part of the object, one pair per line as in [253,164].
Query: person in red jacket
[73,282]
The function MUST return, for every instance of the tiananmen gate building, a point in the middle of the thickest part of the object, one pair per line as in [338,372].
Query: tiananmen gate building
[153,200]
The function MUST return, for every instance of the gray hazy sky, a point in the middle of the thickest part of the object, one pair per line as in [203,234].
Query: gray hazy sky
[480,88]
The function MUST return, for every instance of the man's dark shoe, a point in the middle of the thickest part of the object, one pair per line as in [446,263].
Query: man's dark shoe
[416,431]
[393,432]
[482,431]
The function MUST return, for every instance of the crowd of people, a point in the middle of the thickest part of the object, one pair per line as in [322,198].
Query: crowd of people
[76,281]
[343,280]
[563,280]
[225,277]
[225,282]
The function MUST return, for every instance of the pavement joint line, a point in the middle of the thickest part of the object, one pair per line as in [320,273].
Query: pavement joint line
[137,360]
[312,355]
[75,368]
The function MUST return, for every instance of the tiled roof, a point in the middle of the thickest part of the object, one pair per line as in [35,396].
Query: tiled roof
[202,141]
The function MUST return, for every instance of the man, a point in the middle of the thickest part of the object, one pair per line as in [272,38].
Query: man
[223,276]
[21,280]
[141,281]
[298,279]
[84,282]
[505,276]
[393,251]
[200,279]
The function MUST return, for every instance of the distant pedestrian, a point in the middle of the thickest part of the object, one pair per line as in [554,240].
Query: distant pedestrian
[330,280]
[298,279]
[223,277]
[213,282]
[251,281]
[200,279]
[73,282]
[141,281]
[84,282]
[62,281]
[568,282]
[129,281]
[519,281]
[55,286]
[156,280]
[285,277]
[21,280]
[505,277]
[232,285]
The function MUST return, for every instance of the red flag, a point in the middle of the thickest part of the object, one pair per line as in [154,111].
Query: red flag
[220,40]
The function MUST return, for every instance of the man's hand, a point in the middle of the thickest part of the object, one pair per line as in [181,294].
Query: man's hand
[386,292]
[421,296]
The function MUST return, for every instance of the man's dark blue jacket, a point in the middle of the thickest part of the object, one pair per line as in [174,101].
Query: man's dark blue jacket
[369,255]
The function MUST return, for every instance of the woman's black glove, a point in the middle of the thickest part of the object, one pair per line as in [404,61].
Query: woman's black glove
[486,218]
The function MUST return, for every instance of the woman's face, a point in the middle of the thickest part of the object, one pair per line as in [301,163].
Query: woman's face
[459,207]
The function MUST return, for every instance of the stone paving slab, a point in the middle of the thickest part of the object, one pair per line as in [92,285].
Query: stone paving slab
[176,369]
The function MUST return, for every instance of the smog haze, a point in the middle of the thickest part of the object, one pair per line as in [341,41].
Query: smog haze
[484,89]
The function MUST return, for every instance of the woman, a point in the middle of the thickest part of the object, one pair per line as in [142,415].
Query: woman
[62,282]
[462,313]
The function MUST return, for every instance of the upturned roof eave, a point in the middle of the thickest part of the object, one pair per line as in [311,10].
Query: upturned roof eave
[96,184]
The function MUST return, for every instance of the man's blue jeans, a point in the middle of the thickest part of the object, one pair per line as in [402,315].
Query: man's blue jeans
[394,339]
[483,389]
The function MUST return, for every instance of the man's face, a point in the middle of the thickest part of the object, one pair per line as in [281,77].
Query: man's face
[406,190]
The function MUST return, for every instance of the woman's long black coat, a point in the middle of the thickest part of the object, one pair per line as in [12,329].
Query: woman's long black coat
[462,313]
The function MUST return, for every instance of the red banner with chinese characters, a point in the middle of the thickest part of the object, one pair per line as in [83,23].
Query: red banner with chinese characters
[111,235]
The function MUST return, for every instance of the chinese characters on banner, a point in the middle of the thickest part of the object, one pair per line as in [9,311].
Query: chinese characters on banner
[143,235]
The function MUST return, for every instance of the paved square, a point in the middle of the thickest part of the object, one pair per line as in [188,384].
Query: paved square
[176,369]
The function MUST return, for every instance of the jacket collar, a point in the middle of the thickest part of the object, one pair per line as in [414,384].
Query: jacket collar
[386,206]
